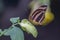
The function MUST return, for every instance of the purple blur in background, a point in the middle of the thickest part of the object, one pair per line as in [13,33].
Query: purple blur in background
[19,8]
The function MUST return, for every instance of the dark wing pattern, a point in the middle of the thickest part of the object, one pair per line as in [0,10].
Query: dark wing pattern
[39,14]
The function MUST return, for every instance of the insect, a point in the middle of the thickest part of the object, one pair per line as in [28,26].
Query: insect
[39,14]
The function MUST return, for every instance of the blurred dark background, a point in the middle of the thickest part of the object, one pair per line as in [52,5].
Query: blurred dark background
[19,8]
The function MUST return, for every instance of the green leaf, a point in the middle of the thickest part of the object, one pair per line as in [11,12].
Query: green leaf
[15,33]
[28,27]
[0,31]
[14,20]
